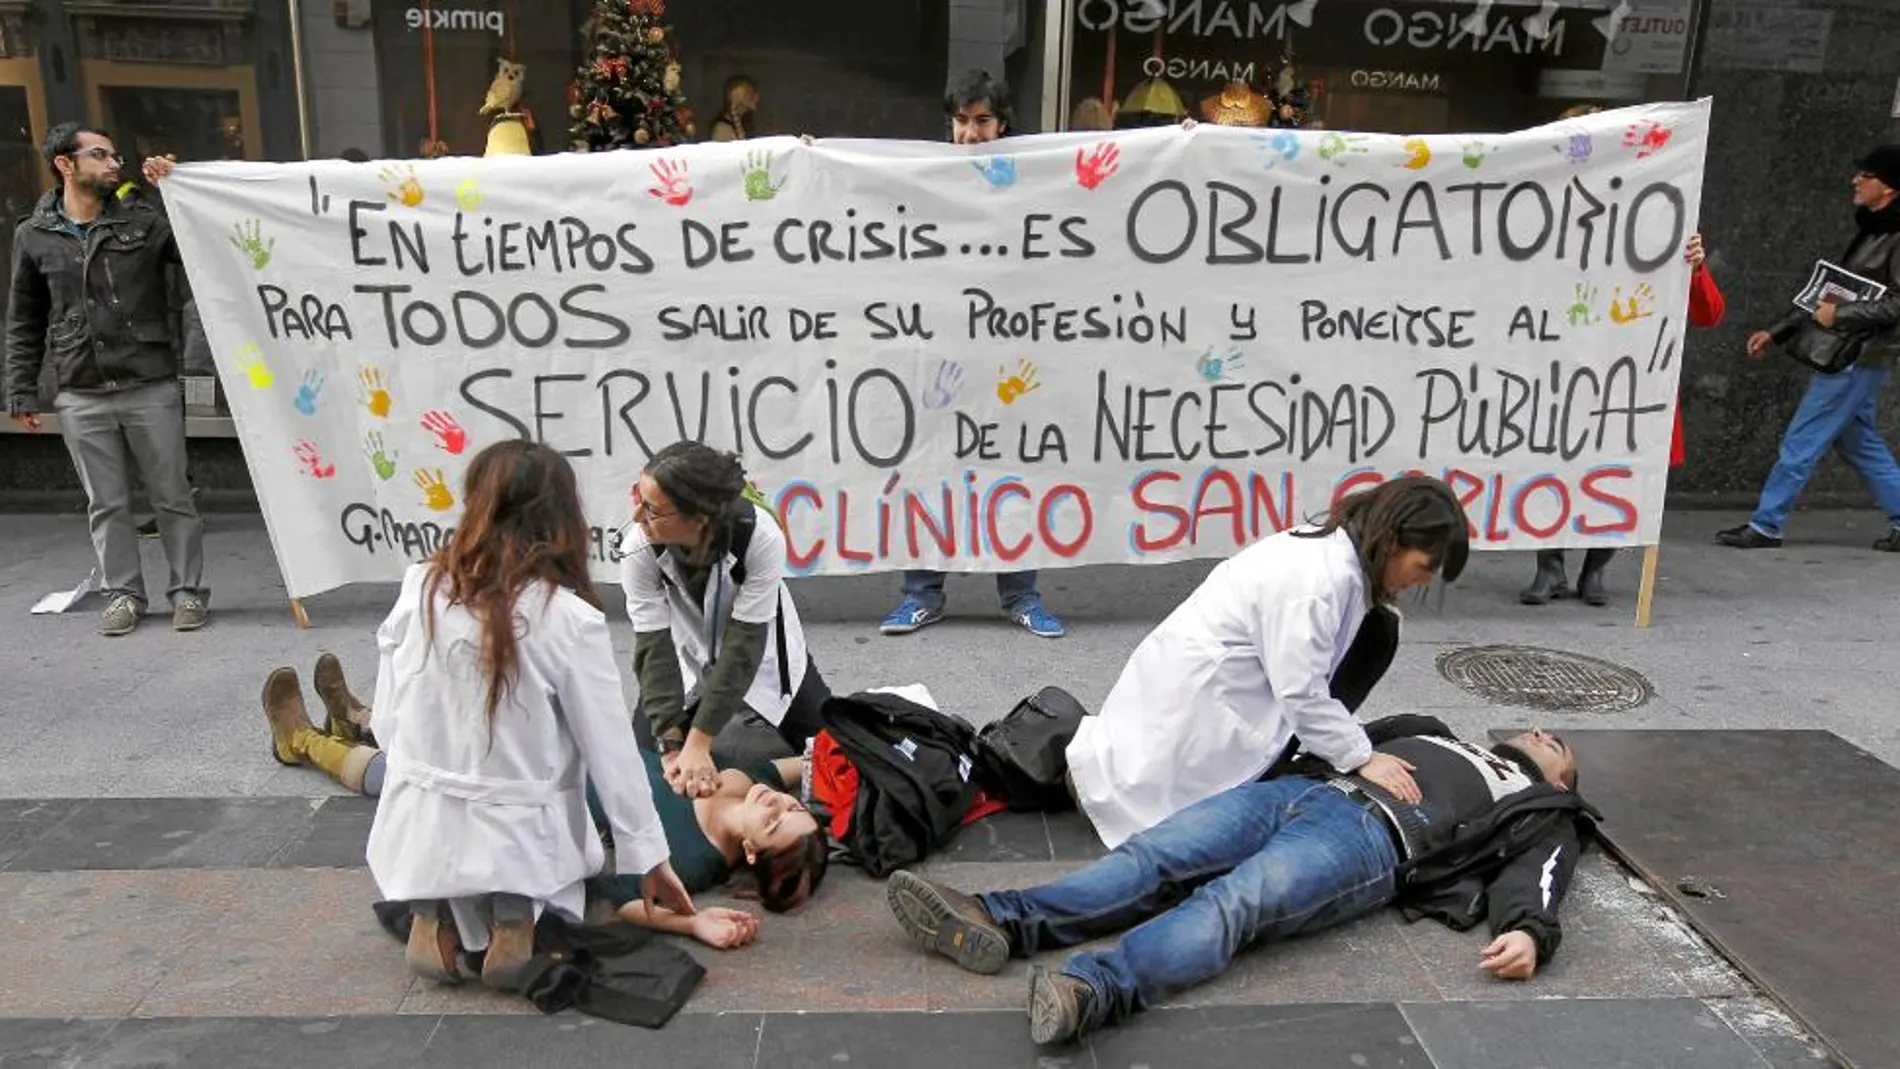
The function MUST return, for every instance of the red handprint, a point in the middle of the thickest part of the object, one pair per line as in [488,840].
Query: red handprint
[313,462]
[1647,138]
[1097,165]
[673,187]
[449,435]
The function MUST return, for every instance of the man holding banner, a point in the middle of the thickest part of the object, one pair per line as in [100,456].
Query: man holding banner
[978,108]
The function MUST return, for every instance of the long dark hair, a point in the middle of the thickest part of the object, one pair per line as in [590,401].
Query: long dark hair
[521,523]
[703,482]
[787,878]
[1415,512]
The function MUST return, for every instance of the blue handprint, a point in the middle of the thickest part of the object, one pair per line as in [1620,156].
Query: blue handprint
[998,171]
[307,392]
[1281,147]
[943,392]
[1214,368]
[1576,148]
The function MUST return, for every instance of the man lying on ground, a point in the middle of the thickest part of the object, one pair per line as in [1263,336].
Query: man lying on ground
[1494,836]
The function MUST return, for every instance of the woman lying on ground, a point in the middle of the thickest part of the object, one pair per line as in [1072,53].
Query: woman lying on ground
[748,831]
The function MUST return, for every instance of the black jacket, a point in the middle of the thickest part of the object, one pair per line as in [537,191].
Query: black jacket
[1510,865]
[100,307]
[914,776]
[1874,253]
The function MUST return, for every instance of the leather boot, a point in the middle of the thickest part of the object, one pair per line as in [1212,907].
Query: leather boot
[434,951]
[348,720]
[1550,583]
[343,762]
[510,942]
[290,727]
[1590,580]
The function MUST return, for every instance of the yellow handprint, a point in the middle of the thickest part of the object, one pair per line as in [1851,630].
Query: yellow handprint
[435,491]
[468,195]
[1009,387]
[405,189]
[1634,307]
[375,395]
[250,360]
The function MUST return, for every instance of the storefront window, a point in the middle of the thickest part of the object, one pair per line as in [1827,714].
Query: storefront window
[1392,66]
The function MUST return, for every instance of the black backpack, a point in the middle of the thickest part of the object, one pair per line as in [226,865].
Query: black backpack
[1024,755]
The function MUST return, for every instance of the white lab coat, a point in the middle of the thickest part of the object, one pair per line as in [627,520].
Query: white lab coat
[465,814]
[699,628]
[1210,698]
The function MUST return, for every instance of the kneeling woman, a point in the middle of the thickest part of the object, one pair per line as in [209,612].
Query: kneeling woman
[497,696]
[748,831]
[715,629]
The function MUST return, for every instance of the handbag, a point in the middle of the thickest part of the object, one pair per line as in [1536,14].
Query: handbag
[1024,755]
[1824,349]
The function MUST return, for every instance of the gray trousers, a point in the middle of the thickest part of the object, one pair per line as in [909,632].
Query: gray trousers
[106,433]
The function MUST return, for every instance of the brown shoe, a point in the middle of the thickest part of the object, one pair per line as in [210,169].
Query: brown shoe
[283,707]
[347,719]
[1061,1007]
[947,922]
[434,951]
[510,942]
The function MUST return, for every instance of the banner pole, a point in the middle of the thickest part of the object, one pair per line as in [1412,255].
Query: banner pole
[297,614]
[1646,592]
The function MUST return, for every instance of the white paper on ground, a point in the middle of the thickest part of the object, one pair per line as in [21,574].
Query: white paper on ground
[61,600]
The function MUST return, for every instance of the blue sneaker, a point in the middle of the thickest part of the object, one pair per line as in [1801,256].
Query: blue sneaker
[910,615]
[1039,621]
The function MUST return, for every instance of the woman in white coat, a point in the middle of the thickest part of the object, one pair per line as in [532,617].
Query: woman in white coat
[715,630]
[1213,696]
[497,697]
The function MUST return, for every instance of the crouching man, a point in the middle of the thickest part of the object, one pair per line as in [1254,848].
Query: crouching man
[1494,837]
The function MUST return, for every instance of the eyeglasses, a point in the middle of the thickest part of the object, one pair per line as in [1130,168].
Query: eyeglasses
[645,512]
[98,153]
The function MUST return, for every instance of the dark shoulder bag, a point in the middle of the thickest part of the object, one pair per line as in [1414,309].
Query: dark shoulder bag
[1025,754]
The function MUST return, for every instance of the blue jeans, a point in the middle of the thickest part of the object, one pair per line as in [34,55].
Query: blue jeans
[1016,590]
[1261,862]
[1838,410]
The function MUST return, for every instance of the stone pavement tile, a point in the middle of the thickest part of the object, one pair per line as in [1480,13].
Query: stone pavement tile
[168,833]
[1000,837]
[911,1040]
[95,944]
[43,1043]
[264,1043]
[1368,960]
[24,820]
[1363,1036]
[336,837]
[1579,1034]
[290,942]
[429,999]
[574,1041]
[1776,1037]
[1604,952]
[1072,838]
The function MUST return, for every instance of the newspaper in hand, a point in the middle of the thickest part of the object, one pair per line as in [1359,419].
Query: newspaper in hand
[1833,284]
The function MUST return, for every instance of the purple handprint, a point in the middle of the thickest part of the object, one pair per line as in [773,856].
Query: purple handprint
[1576,148]
[942,393]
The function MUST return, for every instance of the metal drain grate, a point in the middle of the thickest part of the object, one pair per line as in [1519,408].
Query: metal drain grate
[1545,679]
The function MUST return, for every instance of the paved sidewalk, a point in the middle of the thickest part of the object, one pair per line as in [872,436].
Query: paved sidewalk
[170,895]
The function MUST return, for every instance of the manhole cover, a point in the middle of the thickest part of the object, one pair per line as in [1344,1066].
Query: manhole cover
[1545,679]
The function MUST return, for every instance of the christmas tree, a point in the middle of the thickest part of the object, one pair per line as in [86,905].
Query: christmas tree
[627,91]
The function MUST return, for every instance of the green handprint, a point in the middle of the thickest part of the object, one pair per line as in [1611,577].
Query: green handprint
[758,177]
[1333,145]
[1475,152]
[250,241]
[1579,313]
[380,459]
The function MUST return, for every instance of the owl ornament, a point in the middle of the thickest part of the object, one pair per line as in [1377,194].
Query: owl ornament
[505,91]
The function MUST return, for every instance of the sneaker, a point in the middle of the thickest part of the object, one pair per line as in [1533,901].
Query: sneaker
[121,615]
[148,529]
[910,615]
[1890,543]
[947,922]
[189,612]
[1040,622]
[1746,537]
[1061,1007]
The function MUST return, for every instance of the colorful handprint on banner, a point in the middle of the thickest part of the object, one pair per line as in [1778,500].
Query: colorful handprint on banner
[449,435]
[1096,165]
[310,461]
[375,395]
[435,489]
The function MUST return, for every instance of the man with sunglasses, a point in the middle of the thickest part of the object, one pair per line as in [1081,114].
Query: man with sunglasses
[1840,409]
[91,291]
[1494,838]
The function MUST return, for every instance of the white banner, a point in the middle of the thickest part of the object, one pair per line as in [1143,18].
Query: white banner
[1054,350]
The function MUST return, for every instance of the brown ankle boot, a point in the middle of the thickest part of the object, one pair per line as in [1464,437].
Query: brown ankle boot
[347,720]
[510,943]
[434,951]
[290,725]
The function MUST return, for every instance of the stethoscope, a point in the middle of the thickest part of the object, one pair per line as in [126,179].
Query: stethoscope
[618,539]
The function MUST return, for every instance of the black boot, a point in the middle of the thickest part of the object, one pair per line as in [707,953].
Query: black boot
[1590,580]
[1550,583]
